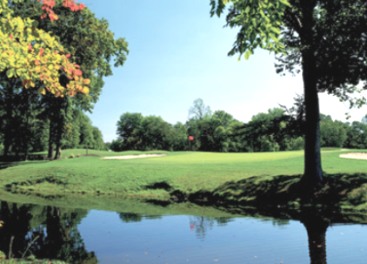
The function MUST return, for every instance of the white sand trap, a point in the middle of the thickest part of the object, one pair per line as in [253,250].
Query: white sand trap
[142,156]
[355,155]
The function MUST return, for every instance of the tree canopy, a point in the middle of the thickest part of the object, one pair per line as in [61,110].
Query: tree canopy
[33,55]
[67,46]
[327,39]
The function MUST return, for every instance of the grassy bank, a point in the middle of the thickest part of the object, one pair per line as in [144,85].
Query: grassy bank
[177,175]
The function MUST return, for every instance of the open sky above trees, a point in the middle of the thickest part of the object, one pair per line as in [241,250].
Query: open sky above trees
[178,53]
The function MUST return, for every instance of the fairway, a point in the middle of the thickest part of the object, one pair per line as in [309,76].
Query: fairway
[185,171]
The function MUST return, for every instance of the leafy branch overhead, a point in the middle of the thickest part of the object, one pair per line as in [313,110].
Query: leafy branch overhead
[36,57]
[325,39]
[338,36]
[260,24]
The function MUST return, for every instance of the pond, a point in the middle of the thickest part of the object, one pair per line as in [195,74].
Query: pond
[95,236]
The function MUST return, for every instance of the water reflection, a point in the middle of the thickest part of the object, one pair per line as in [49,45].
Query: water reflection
[132,217]
[44,232]
[79,236]
[201,225]
[316,227]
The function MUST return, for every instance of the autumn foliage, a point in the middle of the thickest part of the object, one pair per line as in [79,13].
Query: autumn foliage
[35,57]
[48,5]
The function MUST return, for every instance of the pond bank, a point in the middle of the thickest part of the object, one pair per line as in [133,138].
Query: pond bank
[342,196]
[283,195]
[229,181]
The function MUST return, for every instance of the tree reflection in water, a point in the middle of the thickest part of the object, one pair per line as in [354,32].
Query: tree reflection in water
[44,232]
[51,233]
[316,226]
[201,225]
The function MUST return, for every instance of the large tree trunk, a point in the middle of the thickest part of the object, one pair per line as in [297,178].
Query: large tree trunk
[8,117]
[312,170]
[50,141]
[61,117]
[58,150]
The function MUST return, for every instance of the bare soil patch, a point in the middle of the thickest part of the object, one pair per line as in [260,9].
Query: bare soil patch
[355,155]
[142,156]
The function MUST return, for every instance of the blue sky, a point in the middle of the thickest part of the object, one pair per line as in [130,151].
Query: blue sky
[178,53]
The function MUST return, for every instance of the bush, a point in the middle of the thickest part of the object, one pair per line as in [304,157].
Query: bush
[295,143]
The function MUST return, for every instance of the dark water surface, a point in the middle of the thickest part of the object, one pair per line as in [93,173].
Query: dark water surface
[81,236]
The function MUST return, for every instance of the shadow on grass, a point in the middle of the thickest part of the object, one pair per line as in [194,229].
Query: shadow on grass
[284,196]
[8,164]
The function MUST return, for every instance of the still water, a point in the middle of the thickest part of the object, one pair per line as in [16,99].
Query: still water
[81,236]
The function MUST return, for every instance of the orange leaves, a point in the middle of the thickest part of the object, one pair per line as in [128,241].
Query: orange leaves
[53,65]
[74,7]
[78,72]
[48,5]
[36,58]
[41,51]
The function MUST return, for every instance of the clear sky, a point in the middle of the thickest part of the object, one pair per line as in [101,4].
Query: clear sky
[178,53]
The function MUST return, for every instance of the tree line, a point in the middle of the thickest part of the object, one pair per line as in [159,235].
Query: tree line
[42,103]
[278,129]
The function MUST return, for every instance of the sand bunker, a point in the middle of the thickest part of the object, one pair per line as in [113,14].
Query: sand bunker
[142,156]
[355,155]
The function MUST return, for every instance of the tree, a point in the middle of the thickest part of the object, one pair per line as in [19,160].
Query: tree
[86,139]
[88,42]
[272,131]
[155,134]
[33,55]
[223,126]
[199,110]
[320,36]
[356,135]
[137,132]
[179,137]
[333,133]
[128,129]
[32,58]
[198,125]
[98,139]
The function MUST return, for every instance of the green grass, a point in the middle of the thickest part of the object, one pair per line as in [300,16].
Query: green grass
[188,172]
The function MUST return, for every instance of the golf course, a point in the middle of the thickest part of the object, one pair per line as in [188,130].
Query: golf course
[243,179]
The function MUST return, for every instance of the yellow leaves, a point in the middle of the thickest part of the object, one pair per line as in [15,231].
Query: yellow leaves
[28,84]
[42,91]
[18,24]
[34,56]
[85,90]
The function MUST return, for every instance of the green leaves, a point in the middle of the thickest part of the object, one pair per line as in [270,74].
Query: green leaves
[31,55]
[260,23]
[10,73]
